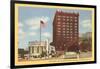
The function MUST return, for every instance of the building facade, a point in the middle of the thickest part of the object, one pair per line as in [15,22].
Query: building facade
[65,31]
[36,50]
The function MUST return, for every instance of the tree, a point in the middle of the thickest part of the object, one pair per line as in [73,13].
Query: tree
[86,44]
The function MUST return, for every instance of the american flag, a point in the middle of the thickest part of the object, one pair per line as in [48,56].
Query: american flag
[42,23]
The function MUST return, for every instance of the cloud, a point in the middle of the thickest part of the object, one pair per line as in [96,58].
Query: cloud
[46,34]
[34,23]
[21,33]
[35,27]
[20,24]
[86,24]
[32,33]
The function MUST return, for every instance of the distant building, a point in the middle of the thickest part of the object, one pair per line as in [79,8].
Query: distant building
[85,42]
[88,34]
[65,31]
[23,54]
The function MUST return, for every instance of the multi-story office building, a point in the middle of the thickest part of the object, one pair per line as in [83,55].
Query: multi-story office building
[65,31]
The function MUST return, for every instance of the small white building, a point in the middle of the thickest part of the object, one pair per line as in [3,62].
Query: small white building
[37,48]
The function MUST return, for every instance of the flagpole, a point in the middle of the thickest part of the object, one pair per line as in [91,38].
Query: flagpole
[40,33]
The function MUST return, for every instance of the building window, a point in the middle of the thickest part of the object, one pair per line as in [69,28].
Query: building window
[58,31]
[58,19]
[63,28]
[75,35]
[75,31]
[32,49]
[59,22]
[58,16]
[67,31]
[38,49]
[64,16]
[58,25]
[67,25]
[71,26]
[71,20]
[71,17]
[63,31]
[75,26]
[75,23]
[64,34]
[67,28]
[63,25]
[75,38]
[75,17]
[71,32]
[71,37]
[71,29]
[58,34]
[75,20]
[63,19]
[67,16]
[59,28]
[67,19]
[70,23]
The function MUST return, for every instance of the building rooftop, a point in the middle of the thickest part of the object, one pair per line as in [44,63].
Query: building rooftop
[31,43]
[67,13]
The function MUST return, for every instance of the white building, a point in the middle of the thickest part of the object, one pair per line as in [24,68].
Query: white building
[37,49]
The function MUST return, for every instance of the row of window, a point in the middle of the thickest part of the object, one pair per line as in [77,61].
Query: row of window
[65,33]
[35,49]
[59,31]
[63,29]
[75,34]
[60,47]
[67,23]
[67,17]
[63,23]
[70,38]
[75,20]
[67,30]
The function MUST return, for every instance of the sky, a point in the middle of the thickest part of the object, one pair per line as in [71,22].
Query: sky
[29,23]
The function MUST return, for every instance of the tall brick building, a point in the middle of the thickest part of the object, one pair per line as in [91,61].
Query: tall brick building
[65,31]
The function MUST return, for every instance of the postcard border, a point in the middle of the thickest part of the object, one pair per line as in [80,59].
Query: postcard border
[12,33]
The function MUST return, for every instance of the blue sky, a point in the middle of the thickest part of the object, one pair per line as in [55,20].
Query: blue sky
[29,19]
